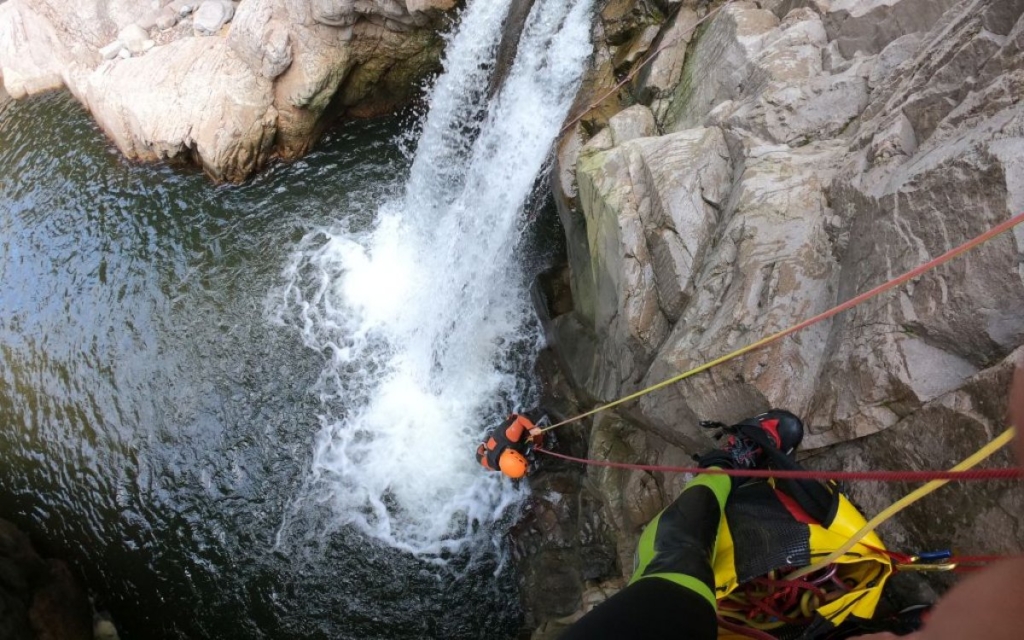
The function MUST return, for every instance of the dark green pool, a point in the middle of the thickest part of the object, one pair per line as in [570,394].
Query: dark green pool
[154,426]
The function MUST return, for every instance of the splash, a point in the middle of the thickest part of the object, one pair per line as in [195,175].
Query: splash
[425,317]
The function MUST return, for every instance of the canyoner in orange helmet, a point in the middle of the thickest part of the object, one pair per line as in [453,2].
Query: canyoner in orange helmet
[507,447]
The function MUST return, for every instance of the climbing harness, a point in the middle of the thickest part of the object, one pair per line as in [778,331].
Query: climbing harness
[998,443]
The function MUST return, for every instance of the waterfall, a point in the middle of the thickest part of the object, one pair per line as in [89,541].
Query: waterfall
[425,315]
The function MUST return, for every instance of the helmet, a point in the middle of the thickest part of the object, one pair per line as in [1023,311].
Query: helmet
[787,429]
[513,464]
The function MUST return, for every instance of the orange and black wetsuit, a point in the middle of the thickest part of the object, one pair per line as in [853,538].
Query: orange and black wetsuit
[513,433]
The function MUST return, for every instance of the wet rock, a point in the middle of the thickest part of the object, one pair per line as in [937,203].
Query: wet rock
[211,16]
[561,543]
[594,594]
[624,20]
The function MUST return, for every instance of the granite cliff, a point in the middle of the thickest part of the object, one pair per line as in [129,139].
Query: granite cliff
[780,158]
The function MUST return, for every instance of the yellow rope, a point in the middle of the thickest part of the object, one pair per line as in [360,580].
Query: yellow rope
[673,380]
[905,502]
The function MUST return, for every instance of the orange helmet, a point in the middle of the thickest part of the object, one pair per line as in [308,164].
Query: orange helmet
[513,464]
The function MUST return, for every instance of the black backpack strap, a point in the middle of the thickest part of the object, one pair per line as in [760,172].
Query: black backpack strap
[819,500]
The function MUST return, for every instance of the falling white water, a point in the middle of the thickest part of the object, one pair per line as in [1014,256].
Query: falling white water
[426,317]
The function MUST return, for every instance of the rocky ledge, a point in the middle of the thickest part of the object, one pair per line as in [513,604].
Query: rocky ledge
[228,85]
[779,159]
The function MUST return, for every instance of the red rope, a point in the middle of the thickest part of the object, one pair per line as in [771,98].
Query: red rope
[878,476]
[744,631]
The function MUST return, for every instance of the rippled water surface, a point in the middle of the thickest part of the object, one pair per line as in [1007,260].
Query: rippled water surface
[155,427]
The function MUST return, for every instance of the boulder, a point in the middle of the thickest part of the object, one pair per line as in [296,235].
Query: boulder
[635,122]
[167,18]
[230,125]
[112,50]
[211,15]
[359,58]
[133,37]
[184,7]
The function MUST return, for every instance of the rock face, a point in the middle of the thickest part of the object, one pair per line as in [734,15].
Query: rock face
[228,85]
[802,152]
[39,599]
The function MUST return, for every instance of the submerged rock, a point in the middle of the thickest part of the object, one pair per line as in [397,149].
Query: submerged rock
[39,599]
[275,72]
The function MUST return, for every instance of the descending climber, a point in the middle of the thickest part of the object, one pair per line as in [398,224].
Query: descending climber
[672,591]
[506,447]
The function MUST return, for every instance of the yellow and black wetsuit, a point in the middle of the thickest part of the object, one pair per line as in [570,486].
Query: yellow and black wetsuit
[672,591]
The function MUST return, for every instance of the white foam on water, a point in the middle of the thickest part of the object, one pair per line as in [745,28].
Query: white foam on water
[426,317]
